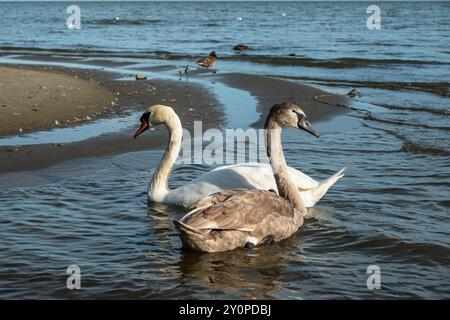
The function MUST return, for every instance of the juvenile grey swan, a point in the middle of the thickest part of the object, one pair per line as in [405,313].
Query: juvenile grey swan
[245,218]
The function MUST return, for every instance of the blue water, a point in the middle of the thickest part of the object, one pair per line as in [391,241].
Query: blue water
[320,34]
[391,209]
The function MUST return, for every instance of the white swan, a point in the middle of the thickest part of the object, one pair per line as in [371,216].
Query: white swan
[245,218]
[245,175]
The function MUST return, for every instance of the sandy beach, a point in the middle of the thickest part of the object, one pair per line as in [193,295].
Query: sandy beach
[33,100]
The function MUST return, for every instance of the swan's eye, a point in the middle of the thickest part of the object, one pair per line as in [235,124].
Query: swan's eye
[145,117]
[299,114]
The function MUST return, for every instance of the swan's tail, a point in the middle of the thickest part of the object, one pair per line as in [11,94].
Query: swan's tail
[185,229]
[312,196]
[190,237]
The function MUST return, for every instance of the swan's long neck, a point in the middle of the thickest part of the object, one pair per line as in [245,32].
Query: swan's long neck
[286,188]
[158,187]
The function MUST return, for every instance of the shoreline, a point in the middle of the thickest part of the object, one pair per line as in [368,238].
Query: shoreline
[191,101]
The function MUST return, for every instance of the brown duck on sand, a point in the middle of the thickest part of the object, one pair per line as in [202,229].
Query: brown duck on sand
[208,62]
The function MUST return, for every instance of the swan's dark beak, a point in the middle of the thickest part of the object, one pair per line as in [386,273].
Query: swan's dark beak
[144,126]
[303,124]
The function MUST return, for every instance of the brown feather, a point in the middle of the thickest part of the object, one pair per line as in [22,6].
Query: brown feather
[229,223]
[217,197]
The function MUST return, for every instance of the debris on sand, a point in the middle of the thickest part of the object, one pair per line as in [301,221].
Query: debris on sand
[141,77]
[353,93]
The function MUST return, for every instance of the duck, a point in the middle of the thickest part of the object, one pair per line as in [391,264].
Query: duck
[242,218]
[241,175]
[208,62]
[240,47]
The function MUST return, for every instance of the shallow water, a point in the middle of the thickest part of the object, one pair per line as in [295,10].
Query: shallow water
[128,248]
[391,209]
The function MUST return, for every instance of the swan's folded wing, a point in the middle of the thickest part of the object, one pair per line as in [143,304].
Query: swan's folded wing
[217,197]
[241,211]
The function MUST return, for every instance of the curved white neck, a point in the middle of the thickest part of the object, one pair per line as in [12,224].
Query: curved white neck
[158,187]
[286,188]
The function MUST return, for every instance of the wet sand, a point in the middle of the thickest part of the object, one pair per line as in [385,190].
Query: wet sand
[270,91]
[191,101]
[33,100]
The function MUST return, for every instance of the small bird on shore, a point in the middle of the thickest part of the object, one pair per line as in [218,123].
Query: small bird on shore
[208,62]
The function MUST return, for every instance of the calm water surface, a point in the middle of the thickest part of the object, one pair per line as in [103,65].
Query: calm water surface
[391,209]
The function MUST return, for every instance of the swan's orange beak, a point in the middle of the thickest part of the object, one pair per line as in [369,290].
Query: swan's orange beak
[144,126]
